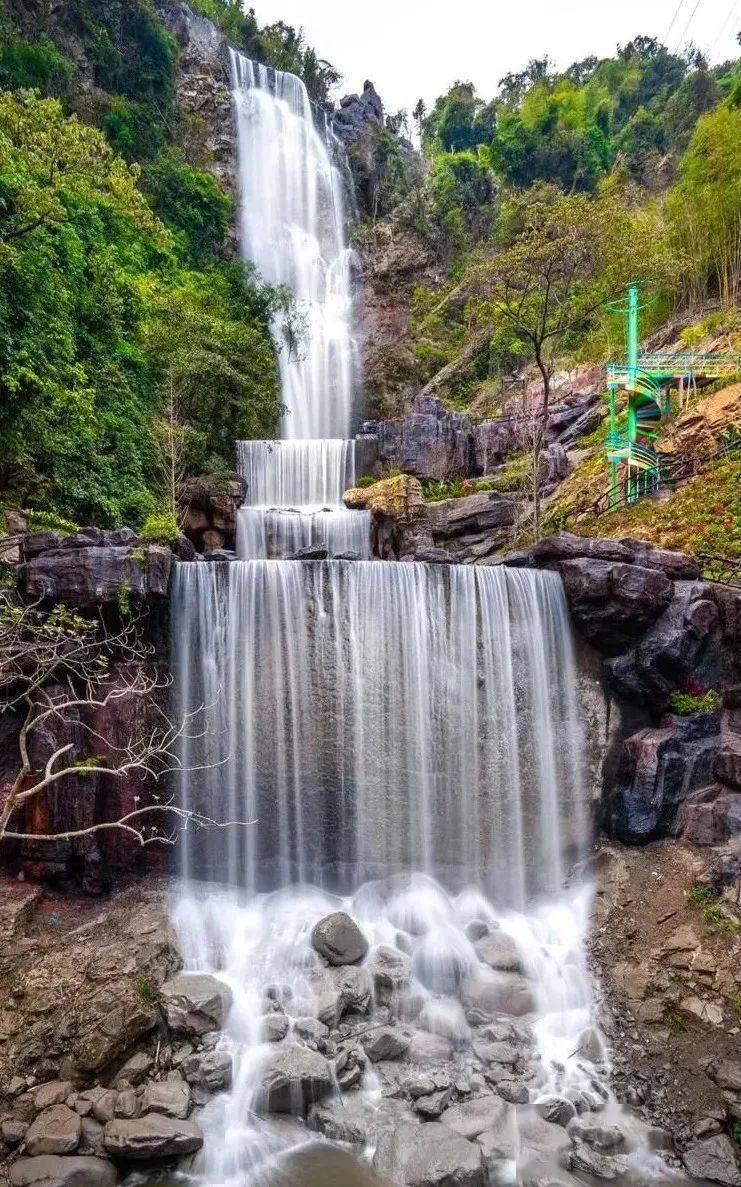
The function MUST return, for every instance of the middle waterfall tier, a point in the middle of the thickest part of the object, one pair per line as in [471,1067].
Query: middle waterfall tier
[374,717]
[294,499]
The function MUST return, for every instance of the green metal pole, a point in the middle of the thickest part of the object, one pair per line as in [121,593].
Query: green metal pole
[613,464]
[632,373]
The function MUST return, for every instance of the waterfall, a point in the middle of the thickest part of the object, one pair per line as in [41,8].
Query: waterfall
[399,741]
[293,229]
[380,717]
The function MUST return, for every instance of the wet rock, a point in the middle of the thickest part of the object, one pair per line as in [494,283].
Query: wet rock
[275,1028]
[55,1131]
[293,1079]
[310,1029]
[428,1049]
[347,1120]
[600,1137]
[211,508]
[590,1046]
[503,1053]
[210,1071]
[312,552]
[110,1022]
[714,1158]
[102,1101]
[445,1017]
[431,1106]
[339,940]
[151,1137]
[612,603]
[473,1117]
[170,1097]
[585,1159]
[555,1109]
[499,952]
[498,993]
[92,1139]
[385,1042]
[346,990]
[390,972]
[429,1155]
[476,929]
[195,1002]
[48,1170]
[514,1091]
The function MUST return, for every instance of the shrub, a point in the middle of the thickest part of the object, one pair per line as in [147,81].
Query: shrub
[161,528]
[686,703]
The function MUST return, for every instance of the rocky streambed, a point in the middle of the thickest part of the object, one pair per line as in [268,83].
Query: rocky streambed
[113,1058]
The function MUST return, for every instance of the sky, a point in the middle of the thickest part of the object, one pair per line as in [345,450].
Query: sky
[412,48]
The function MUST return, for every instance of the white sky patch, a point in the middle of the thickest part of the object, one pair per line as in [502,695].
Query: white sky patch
[418,49]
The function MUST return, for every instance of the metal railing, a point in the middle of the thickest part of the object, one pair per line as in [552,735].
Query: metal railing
[724,569]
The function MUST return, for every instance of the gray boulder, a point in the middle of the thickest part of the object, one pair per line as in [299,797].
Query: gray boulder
[715,1159]
[499,951]
[211,1070]
[348,1119]
[429,1155]
[55,1131]
[585,1159]
[195,1002]
[55,1092]
[498,993]
[171,1097]
[274,1028]
[343,990]
[145,1139]
[474,1117]
[555,1109]
[590,1046]
[49,1170]
[339,940]
[390,971]
[385,1042]
[293,1079]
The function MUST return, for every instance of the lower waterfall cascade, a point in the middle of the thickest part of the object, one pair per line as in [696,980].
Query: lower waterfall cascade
[407,741]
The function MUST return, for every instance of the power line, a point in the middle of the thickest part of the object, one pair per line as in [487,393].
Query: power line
[677,11]
[732,12]
[681,41]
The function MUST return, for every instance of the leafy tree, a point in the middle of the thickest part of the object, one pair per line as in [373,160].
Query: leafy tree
[562,257]
[705,208]
[461,192]
[190,203]
[459,120]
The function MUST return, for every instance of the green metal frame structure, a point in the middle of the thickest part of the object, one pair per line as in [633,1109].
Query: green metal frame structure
[646,379]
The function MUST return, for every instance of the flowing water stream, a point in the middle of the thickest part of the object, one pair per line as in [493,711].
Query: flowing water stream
[401,742]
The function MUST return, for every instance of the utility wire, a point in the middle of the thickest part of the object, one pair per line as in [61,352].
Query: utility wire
[681,41]
[673,21]
[732,12]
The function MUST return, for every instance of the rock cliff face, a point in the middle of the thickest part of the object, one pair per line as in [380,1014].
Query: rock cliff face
[658,629]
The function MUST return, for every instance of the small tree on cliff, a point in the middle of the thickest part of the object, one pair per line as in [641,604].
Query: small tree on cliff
[66,679]
[560,258]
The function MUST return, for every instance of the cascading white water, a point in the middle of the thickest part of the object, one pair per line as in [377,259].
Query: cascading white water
[379,717]
[293,228]
[404,737]
[292,221]
[294,493]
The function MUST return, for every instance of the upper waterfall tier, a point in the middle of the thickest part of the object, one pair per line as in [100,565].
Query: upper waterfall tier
[293,229]
[375,717]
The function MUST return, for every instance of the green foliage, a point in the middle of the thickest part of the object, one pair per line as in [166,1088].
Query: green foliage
[145,989]
[191,204]
[162,528]
[704,208]
[25,65]
[713,911]
[87,274]
[461,190]
[674,1022]
[686,703]
[238,24]
[736,1132]
[43,521]
[458,121]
